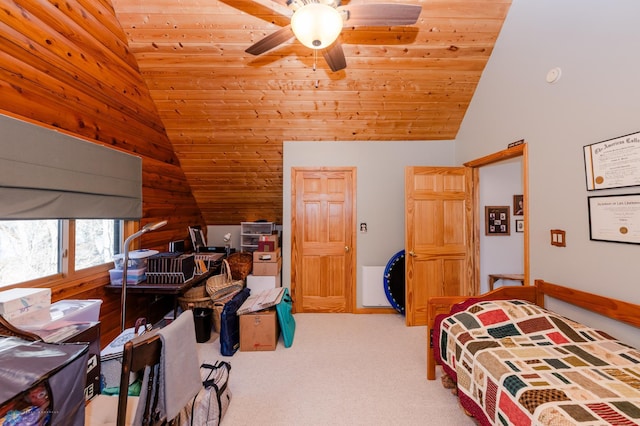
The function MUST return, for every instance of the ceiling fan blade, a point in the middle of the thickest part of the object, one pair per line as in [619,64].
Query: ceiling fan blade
[382,14]
[272,40]
[334,55]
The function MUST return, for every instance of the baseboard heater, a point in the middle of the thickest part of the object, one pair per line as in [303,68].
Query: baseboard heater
[373,294]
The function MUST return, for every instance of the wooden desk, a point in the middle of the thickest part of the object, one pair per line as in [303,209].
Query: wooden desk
[174,290]
[513,277]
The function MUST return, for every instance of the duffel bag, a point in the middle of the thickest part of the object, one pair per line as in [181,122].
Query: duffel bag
[210,404]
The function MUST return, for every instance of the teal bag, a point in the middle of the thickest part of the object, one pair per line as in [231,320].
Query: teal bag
[285,318]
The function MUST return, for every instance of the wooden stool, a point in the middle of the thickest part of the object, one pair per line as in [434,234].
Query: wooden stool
[496,277]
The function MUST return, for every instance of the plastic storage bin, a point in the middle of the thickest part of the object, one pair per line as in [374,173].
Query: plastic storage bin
[134,276]
[76,310]
[137,259]
[61,316]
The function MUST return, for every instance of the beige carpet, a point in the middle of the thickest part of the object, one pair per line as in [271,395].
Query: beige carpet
[343,369]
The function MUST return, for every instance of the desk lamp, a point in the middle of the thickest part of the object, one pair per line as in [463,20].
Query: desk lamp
[123,295]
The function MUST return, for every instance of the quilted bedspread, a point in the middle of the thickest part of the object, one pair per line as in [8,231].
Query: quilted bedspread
[518,364]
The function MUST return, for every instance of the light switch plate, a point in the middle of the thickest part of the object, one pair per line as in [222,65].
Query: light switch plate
[558,238]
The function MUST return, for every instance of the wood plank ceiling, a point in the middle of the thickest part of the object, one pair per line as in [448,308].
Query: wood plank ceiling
[227,113]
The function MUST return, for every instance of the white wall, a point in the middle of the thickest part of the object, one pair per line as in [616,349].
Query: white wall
[595,42]
[216,233]
[379,193]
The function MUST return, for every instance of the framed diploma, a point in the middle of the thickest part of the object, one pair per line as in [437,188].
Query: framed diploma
[615,218]
[614,163]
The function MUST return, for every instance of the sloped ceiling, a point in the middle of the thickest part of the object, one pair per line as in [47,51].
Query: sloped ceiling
[227,113]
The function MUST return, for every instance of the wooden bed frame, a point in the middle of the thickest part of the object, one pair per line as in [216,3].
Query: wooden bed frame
[612,308]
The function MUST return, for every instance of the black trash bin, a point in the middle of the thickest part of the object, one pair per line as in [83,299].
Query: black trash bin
[203,322]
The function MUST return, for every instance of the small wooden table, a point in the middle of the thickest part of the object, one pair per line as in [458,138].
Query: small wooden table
[496,277]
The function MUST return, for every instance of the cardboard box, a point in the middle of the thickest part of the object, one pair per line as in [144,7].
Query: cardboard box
[260,301]
[259,331]
[258,283]
[271,237]
[19,301]
[266,246]
[267,268]
[266,256]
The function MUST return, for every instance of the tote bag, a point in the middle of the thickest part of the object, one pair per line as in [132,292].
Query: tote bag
[230,324]
[285,318]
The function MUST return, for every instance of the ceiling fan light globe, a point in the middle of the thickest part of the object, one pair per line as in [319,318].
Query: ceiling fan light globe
[316,25]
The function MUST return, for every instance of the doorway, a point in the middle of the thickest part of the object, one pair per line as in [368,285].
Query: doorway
[500,156]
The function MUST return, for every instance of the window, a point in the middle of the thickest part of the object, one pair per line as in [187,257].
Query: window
[29,249]
[96,242]
[33,249]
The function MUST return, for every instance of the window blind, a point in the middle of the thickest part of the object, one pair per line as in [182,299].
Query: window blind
[46,174]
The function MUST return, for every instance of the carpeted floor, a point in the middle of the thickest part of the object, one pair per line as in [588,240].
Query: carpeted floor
[342,369]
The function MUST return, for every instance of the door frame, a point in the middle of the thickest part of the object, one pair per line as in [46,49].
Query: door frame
[513,152]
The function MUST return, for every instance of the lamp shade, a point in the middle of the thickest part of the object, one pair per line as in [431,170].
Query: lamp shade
[316,25]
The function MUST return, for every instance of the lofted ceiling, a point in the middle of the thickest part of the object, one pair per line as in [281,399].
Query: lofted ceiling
[227,112]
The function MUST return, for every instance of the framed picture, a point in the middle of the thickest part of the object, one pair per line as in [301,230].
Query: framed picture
[519,225]
[518,205]
[496,220]
[614,163]
[615,218]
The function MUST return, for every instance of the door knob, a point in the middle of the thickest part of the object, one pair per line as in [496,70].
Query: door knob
[346,249]
[412,253]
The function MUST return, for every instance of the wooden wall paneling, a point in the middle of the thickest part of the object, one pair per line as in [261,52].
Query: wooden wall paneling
[401,83]
[67,66]
[170,81]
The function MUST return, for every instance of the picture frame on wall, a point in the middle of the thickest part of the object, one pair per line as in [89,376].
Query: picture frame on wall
[518,205]
[519,225]
[615,218]
[497,220]
[614,163]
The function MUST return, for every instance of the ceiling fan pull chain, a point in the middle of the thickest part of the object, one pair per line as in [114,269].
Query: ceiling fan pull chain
[315,60]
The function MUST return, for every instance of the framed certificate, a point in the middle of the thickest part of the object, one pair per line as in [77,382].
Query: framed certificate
[615,218]
[614,163]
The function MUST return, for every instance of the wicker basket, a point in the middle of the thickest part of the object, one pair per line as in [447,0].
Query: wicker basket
[222,284]
[195,297]
[241,264]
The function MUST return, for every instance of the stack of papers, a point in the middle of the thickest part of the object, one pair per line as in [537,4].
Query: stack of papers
[262,300]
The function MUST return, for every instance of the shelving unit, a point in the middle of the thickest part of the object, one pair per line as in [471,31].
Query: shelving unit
[250,233]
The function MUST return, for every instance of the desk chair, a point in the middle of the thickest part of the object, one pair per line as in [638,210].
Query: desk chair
[139,353]
[173,348]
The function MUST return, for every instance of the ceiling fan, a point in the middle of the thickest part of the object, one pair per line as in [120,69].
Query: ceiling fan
[318,23]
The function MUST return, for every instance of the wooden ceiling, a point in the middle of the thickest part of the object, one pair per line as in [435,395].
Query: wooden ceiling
[227,113]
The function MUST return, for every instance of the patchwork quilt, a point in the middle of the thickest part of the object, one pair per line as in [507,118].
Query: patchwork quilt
[516,363]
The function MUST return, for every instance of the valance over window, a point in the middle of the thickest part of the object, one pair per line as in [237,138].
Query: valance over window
[45,174]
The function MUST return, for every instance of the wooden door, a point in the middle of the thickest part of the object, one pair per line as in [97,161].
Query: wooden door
[439,236]
[322,252]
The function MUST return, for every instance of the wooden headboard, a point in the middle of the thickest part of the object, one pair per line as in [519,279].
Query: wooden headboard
[612,308]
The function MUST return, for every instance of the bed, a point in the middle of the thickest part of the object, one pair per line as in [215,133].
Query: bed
[515,362]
